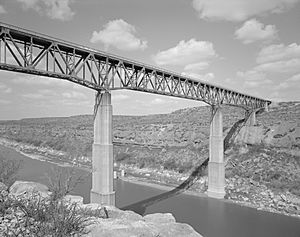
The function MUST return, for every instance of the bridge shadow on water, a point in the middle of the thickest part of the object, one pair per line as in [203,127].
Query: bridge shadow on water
[141,206]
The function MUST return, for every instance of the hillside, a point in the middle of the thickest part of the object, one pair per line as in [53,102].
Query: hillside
[263,162]
[182,133]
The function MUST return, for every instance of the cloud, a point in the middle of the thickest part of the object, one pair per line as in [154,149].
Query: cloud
[33,96]
[253,79]
[196,67]
[239,10]
[2,10]
[46,81]
[74,95]
[4,88]
[278,52]
[199,77]
[119,97]
[5,102]
[119,34]
[291,83]
[251,75]
[253,30]
[185,53]
[158,101]
[288,66]
[295,78]
[55,9]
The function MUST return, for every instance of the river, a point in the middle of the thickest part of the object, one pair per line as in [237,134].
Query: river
[211,218]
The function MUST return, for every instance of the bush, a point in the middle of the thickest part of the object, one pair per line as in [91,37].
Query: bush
[37,216]
[9,170]
[62,181]
[34,215]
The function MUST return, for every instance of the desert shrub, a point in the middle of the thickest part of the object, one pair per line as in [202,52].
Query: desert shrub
[62,181]
[37,216]
[122,156]
[34,215]
[9,170]
[185,167]
[170,165]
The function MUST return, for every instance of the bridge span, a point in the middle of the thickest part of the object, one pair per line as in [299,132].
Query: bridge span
[29,52]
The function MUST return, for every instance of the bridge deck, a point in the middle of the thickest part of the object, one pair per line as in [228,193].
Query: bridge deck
[33,53]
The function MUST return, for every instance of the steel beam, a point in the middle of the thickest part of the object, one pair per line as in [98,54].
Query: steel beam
[34,53]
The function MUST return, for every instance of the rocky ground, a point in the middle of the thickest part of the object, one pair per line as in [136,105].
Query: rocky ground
[108,220]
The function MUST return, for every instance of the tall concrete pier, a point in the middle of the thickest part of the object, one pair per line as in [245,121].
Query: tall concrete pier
[102,157]
[252,118]
[266,107]
[216,167]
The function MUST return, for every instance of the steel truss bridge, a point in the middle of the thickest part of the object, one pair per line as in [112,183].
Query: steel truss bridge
[33,53]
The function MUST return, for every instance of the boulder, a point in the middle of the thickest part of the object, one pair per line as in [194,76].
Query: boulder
[160,218]
[175,230]
[28,187]
[115,213]
[3,187]
[128,224]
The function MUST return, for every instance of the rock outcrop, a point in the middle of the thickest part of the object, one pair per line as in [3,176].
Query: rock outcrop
[119,223]
[27,187]
[128,223]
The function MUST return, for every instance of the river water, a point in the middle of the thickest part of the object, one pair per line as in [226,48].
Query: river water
[211,218]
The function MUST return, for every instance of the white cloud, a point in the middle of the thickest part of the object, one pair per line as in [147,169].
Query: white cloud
[74,95]
[55,9]
[277,52]
[288,66]
[253,79]
[186,52]
[46,81]
[5,102]
[295,78]
[239,10]
[2,10]
[119,34]
[33,96]
[158,101]
[251,75]
[290,83]
[119,97]
[4,88]
[253,30]
[199,77]
[196,67]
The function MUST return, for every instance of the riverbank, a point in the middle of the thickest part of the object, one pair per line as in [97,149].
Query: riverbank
[264,199]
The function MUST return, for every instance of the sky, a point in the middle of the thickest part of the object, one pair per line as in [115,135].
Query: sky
[249,46]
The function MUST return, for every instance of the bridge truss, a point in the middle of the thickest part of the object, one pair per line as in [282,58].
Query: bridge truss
[33,53]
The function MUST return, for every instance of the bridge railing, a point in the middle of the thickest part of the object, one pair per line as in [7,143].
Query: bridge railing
[33,53]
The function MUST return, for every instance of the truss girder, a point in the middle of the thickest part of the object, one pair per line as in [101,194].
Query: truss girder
[33,53]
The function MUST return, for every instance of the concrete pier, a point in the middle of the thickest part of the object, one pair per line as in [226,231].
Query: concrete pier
[266,108]
[252,119]
[102,158]
[216,166]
